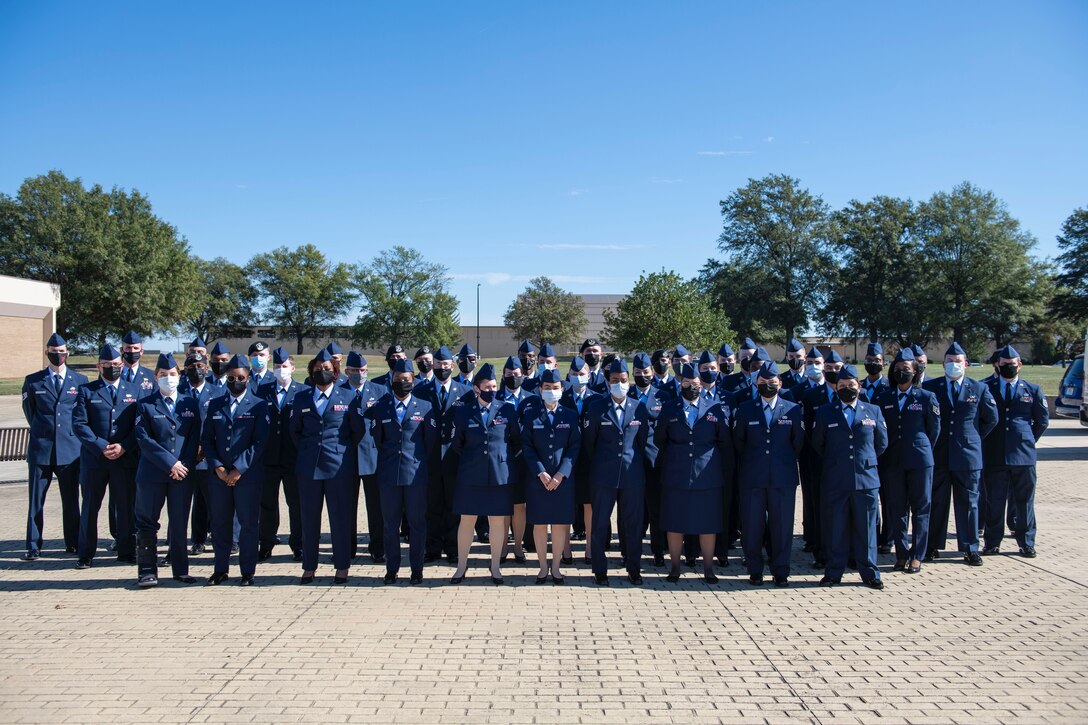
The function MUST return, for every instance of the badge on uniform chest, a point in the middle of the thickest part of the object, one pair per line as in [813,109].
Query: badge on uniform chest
[868,421]
[784,421]
[417,418]
[711,419]
[635,423]
[914,406]
[562,426]
[339,407]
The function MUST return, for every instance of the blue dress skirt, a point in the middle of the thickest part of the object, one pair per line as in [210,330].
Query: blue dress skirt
[549,507]
[691,510]
[483,500]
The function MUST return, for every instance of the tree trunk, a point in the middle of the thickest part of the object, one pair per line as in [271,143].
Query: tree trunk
[299,337]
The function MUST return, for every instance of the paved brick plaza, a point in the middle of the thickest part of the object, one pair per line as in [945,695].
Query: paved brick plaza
[1004,643]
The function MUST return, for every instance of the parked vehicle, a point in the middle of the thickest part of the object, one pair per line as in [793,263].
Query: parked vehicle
[1071,390]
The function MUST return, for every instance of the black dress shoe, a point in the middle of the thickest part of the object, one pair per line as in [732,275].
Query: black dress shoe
[497,580]
[885,549]
[673,577]
[234,548]
[542,579]
[196,550]
[900,565]
[709,577]
[113,545]
[417,577]
[339,580]
[781,581]
[378,558]
[990,550]
[126,559]
[1028,552]
[165,561]
[296,555]
[830,582]
[659,560]
[635,579]
[218,578]
[691,561]
[933,554]
[390,578]
[264,555]
[246,581]
[69,550]
[459,579]
[875,584]
[186,579]
[83,564]
[147,580]
[914,568]
[972,558]
[519,558]
[559,580]
[601,579]
[807,548]
[817,564]
[431,558]
[306,579]
[755,580]
[484,539]
[567,560]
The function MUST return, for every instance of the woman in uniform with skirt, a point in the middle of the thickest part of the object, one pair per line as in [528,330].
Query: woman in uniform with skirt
[480,458]
[550,440]
[695,458]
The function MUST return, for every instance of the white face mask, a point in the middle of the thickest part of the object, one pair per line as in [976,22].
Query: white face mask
[551,396]
[813,373]
[619,390]
[168,384]
[283,375]
[954,370]
[579,381]
[549,366]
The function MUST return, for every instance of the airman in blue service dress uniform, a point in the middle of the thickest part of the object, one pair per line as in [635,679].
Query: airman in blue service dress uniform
[367,394]
[551,439]
[479,461]
[817,390]
[259,358]
[768,434]
[196,346]
[849,436]
[913,418]
[325,436]
[196,383]
[280,459]
[727,361]
[577,397]
[644,392]
[104,420]
[874,382]
[233,439]
[695,462]
[968,415]
[168,434]
[618,440]
[466,365]
[405,430]
[795,365]
[1009,454]
[49,398]
[132,350]
[512,390]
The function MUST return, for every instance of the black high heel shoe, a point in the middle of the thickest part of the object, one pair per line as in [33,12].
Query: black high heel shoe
[457,579]
[542,579]
[306,579]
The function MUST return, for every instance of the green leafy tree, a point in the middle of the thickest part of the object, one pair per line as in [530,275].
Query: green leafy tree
[662,310]
[118,265]
[301,291]
[1071,299]
[228,298]
[775,239]
[726,284]
[546,313]
[405,299]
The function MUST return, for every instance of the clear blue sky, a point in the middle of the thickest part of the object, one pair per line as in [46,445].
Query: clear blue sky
[585,141]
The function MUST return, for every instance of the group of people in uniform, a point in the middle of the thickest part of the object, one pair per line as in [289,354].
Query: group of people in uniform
[697,452]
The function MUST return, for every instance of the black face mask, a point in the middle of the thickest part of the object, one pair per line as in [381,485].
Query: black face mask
[831,376]
[795,363]
[466,366]
[847,395]
[323,377]
[513,382]
[767,390]
[643,381]
[745,364]
[131,357]
[1008,370]
[902,377]
[237,387]
[196,375]
[527,363]
[443,374]
[873,368]
[111,373]
[403,387]
[56,359]
[676,368]
[425,366]
[219,367]
[661,367]
[592,359]
[690,393]
[920,367]
[728,368]
[708,376]
[487,396]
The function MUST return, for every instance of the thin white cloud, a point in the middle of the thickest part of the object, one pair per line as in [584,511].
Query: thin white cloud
[601,247]
[769,139]
[577,192]
[657,180]
[724,153]
[497,278]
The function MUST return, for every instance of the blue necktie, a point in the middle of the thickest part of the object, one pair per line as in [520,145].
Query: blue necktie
[902,399]
[169,404]
[280,396]
[483,414]
[849,413]
[691,413]
[113,393]
[320,404]
[767,413]
[955,394]
[58,382]
[401,410]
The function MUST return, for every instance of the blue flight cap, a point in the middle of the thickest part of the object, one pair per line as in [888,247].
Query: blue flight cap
[546,350]
[874,348]
[323,355]
[619,365]
[748,344]
[55,340]
[769,370]
[355,360]
[443,353]
[551,376]
[404,366]
[526,346]
[1009,352]
[687,370]
[333,348]
[904,355]
[681,351]
[641,360]
[132,338]
[238,361]
[725,350]
[954,349]
[198,341]
[108,352]
[219,349]
[705,357]
[465,351]
[832,356]
[917,350]
[760,355]
[486,372]
[280,356]
[166,361]
[577,363]
[814,353]
[848,372]
[512,363]
[794,346]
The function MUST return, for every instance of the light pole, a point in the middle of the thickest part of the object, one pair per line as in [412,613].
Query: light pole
[478,353]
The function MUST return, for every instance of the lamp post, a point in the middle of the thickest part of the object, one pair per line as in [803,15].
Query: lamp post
[478,353]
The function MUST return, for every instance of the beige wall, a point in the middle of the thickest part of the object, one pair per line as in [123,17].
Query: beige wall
[21,353]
